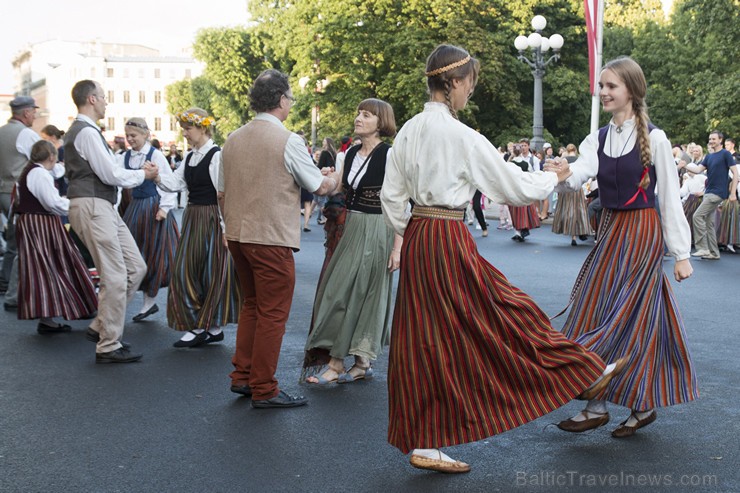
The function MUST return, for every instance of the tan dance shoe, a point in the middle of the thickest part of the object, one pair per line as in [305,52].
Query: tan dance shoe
[596,388]
[439,465]
[624,431]
[586,424]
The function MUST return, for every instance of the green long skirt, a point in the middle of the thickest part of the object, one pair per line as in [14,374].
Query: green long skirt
[353,302]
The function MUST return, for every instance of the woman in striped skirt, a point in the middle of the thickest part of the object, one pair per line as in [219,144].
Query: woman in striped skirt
[523,217]
[471,355]
[149,216]
[571,217]
[53,280]
[692,191]
[204,293]
[622,303]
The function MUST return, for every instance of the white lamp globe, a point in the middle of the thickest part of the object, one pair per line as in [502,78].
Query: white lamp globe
[534,40]
[521,43]
[538,23]
[556,42]
[545,44]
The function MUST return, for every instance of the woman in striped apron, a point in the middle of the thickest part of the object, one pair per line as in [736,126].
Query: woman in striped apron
[622,303]
[471,355]
[149,216]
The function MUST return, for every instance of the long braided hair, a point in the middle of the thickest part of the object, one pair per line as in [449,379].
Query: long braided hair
[445,64]
[634,80]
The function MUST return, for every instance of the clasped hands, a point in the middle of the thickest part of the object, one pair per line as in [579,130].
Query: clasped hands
[151,171]
[559,166]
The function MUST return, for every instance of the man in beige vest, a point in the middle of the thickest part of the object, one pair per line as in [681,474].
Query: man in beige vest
[264,167]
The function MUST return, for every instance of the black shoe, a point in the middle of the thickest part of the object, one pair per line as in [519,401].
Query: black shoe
[573,243]
[518,238]
[120,355]
[525,233]
[199,340]
[93,336]
[43,328]
[151,311]
[583,237]
[10,308]
[280,400]
[242,389]
[214,337]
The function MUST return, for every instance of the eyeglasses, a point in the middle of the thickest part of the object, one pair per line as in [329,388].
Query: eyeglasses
[290,98]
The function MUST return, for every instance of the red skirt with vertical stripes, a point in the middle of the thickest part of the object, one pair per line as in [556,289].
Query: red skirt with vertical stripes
[623,305]
[471,355]
[524,217]
[53,280]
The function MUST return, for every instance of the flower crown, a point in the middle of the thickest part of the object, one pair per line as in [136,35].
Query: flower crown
[192,118]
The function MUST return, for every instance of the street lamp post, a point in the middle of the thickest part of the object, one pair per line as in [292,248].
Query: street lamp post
[540,45]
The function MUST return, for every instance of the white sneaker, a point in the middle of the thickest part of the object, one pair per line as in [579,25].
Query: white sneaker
[731,248]
[701,253]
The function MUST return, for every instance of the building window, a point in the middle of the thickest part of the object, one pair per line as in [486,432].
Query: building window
[157,97]
[125,73]
[156,73]
[126,97]
[173,124]
[142,96]
[157,124]
[111,124]
[187,73]
[111,98]
[109,72]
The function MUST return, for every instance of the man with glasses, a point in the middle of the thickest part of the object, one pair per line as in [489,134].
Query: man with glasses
[265,165]
[93,177]
[16,140]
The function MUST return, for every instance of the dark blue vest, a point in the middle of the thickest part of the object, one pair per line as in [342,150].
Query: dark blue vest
[198,178]
[619,178]
[147,188]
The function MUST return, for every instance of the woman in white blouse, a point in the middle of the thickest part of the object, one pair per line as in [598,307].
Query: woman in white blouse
[471,355]
[204,292]
[53,280]
[149,216]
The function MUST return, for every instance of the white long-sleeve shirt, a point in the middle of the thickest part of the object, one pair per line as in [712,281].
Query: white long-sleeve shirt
[693,185]
[40,183]
[438,161]
[89,145]
[167,200]
[676,230]
[175,181]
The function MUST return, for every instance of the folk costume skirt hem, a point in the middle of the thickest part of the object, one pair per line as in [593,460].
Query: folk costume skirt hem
[53,280]
[524,217]
[157,241]
[571,217]
[623,305]
[471,355]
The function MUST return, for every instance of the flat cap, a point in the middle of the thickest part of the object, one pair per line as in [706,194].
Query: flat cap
[22,102]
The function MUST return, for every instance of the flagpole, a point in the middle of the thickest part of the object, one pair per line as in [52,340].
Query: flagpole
[595,102]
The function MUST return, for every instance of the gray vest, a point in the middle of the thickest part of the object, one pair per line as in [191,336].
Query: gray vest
[12,162]
[83,182]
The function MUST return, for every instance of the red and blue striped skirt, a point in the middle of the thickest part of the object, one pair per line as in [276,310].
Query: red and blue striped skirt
[471,355]
[623,305]
[157,241]
[728,225]
[53,280]
[204,290]
[524,217]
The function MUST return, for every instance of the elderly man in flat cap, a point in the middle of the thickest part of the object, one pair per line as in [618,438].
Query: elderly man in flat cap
[16,140]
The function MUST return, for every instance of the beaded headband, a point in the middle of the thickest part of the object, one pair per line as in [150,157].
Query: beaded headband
[193,119]
[449,67]
[137,125]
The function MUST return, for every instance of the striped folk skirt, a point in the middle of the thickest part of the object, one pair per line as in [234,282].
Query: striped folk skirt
[689,208]
[53,280]
[471,355]
[623,305]
[524,217]
[204,290]
[157,241]
[571,217]
[728,227]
